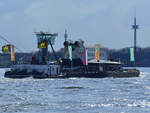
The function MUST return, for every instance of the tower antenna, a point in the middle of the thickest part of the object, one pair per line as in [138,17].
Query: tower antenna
[65,35]
[135,27]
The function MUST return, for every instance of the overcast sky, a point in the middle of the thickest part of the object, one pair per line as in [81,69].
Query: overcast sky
[107,22]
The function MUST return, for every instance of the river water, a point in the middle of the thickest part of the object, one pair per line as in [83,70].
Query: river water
[76,95]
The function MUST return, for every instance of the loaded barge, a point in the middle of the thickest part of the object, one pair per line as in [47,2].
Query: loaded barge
[80,60]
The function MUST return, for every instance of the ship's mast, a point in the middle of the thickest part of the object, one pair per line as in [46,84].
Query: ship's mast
[65,35]
[135,27]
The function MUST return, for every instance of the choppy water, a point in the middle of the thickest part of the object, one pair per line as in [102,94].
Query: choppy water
[84,95]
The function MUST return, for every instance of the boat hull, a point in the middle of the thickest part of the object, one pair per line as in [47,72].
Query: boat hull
[114,74]
[17,75]
[123,74]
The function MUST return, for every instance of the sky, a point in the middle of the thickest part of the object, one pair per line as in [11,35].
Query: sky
[105,22]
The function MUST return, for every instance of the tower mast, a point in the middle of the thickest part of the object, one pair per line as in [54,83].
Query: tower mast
[135,27]
[65,35]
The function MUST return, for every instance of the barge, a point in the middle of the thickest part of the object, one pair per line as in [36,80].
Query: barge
[79,60]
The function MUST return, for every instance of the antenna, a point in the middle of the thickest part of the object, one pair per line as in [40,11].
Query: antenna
[135,27]
[65,35]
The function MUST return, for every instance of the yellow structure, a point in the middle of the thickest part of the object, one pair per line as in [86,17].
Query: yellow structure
[6,48]
[9,49]
[12,53]
[43,44]
[97,52]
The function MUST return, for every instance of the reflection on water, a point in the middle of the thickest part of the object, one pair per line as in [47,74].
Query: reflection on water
[76,95]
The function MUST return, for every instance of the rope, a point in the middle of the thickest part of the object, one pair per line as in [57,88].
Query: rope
[1,37]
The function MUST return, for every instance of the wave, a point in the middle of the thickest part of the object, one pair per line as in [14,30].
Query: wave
[140,104]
